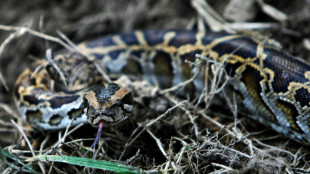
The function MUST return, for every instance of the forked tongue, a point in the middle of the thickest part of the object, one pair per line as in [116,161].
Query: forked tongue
[101,123]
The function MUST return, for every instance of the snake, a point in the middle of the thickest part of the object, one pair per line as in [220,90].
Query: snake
[273,85]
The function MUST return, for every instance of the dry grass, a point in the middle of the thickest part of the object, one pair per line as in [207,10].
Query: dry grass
[166,132]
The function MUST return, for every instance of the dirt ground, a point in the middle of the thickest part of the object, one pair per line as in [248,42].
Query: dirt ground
[211,141]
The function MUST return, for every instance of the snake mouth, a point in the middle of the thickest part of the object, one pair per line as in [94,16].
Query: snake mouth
[108,119]
[114,115]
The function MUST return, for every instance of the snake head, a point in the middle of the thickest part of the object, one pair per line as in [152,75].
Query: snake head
[109,103]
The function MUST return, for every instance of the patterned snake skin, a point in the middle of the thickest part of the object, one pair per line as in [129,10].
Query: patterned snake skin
[273,85]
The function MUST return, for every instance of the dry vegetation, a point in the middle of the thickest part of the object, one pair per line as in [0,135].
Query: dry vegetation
[166,132]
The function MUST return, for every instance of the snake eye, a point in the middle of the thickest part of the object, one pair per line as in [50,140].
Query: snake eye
[127,99]
[127,102]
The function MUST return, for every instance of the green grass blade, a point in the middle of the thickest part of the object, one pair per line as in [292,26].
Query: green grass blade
[25,168]
[87,162]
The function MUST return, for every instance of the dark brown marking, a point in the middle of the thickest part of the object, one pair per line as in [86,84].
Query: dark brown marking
[16,93]
[44,81]
[115,100]
[154,37]
[26,80]
[183,37]
[290,114]
[57,102]
[302,96]
[128,99]
[31,99]
[76,113]
[187,73]
[105,93]
[33,117]
[132,67]
[163,69]
[55,120]
[251,79]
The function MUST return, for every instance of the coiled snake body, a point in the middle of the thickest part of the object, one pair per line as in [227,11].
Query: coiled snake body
[274,85]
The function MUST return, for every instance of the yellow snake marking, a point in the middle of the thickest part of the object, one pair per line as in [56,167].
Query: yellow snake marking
[199,37]
[119,41]
[140,38]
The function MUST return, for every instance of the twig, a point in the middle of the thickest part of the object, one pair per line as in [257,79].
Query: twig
[6,108]
[36,33]
[28,143]
[76,48]
[58,143]
[25,137]
[2,47]
[214,21]
[50,57]
[272,11]
[159,144]
[148,125]
[102,72]
[178,86]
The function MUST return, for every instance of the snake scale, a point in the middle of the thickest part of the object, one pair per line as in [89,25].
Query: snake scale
[274,86]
